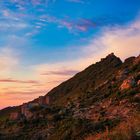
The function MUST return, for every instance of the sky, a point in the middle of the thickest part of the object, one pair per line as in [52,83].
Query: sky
[45,42]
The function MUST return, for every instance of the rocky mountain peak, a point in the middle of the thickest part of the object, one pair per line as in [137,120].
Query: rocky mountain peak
[104,98]
[112,59]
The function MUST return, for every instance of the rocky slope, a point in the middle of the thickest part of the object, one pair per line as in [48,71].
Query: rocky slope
[100,103]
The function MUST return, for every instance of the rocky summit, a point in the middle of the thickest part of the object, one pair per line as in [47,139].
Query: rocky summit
[100,103]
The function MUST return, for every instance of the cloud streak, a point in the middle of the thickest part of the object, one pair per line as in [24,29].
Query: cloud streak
[9,80]
[77,1]
[31,24]
[61,73]
[81,25]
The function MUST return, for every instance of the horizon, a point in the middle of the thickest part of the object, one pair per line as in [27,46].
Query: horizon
[65,80]
[45,42]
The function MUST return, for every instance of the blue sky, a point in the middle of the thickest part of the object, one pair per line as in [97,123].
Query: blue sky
[50,26]
[38,37]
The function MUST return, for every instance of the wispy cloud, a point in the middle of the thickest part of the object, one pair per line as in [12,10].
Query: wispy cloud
[13,26]
[61,73]
[10,80]
[77,1]
[23,93]
[33,2]
[122,40]
[81,25]
[31,24]
[8,59]
[15,21]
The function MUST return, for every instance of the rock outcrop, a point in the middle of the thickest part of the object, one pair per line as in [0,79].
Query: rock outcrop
[15,116]
[128,83]
[26,109]
[44,100]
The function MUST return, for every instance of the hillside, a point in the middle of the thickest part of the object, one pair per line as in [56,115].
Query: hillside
[102,102]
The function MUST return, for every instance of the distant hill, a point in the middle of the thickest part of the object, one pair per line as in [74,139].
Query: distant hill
[100,103]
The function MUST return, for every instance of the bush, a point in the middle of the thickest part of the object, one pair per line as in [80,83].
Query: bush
[118,93]
[73,129]
[132,92]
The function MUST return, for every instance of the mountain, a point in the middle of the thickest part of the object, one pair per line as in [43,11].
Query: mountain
[100,103]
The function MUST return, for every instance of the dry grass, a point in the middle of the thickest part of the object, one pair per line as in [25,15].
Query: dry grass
[126,130]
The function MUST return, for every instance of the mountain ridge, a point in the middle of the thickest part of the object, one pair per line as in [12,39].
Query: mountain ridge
[101,97]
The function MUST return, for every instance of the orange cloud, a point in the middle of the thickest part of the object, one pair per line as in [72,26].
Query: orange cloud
[9,80]
[64,72]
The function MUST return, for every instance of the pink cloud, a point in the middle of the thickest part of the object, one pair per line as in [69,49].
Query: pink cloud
[65,72]
[9,80]
[30,92]
[81,25]
[33,2]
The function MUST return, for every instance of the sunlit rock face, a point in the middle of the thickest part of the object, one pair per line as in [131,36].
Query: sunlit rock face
[15,116]
[26,109]
[128,83]
[47,100]
[138,83]
[43,100]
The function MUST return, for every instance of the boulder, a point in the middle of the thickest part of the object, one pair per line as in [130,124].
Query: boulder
[128,83]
